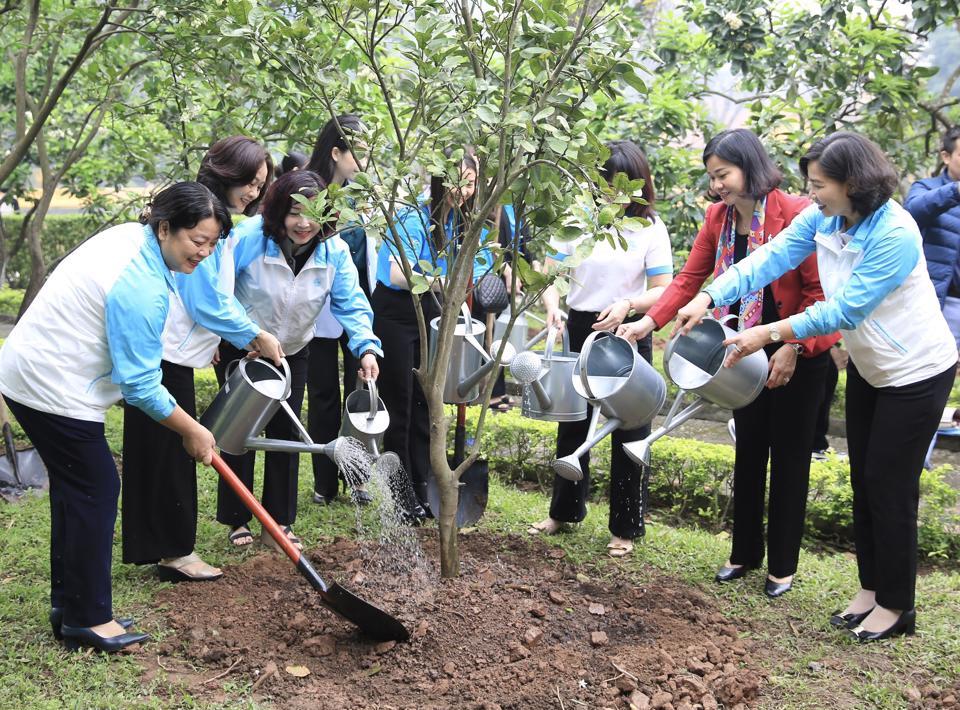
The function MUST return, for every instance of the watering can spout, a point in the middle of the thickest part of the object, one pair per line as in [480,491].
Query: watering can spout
[638,451]
[568,467]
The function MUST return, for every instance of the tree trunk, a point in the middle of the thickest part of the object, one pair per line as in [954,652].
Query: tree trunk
[38,267]
[449,540]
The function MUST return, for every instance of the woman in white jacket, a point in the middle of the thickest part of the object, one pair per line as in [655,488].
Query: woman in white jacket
[92,337]
[288,267]
[159,521]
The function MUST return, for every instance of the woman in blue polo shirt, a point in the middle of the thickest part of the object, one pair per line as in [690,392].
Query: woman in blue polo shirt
[902,356]
[395,321]
[108,300]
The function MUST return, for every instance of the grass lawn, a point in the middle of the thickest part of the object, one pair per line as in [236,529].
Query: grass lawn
[813,665]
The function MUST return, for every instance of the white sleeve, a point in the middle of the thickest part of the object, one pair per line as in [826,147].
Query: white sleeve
[659,259]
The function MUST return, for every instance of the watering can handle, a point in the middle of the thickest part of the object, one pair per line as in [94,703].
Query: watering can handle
[584,356]
[288,378]
[231,367]
[548,347]
[468,332]
[374,397]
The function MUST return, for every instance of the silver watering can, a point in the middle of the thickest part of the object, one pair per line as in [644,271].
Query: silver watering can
[253,392]
[518,335]
[694,362]
[469,362]
[620,384]
[548,384]
[365,416]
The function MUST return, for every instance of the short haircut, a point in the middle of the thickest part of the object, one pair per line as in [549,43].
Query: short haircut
[742,148]
[330,137]
[858,162]
[184,205]
[627,158]
[948,143]
[294,160]
[232,162]
[278,201]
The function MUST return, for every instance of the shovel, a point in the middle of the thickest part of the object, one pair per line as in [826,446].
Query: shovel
[19,470]
[374,622]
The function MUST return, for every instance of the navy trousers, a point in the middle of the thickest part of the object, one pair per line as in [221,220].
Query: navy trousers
[84,487]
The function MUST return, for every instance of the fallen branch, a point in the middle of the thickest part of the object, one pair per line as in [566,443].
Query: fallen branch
[220,675]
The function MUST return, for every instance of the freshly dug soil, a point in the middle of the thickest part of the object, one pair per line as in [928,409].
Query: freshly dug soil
[520,628]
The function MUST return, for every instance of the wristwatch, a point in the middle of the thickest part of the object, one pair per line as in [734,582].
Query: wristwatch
[796,346]
[775,335]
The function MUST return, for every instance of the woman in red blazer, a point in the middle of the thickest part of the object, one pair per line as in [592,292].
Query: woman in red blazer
[779,424]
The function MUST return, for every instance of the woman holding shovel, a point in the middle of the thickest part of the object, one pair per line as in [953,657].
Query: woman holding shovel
[288,266]
[779,425]
[605,288]
[108,300]
[159,481]
[902,356]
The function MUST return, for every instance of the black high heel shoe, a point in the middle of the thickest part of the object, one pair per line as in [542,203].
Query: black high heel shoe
[56,621]
[848,621]
[728,574]
[74,637]
[905,625]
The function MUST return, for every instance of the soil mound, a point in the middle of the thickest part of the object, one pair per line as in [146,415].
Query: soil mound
[520,629]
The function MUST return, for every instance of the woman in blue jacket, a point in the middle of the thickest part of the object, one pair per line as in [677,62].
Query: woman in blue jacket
[902,356]
[288,266]
[108,300]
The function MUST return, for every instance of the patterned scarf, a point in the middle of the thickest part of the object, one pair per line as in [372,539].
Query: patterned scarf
[751,305]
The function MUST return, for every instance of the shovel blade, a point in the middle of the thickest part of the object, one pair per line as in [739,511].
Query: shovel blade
[371,620]
[474,493]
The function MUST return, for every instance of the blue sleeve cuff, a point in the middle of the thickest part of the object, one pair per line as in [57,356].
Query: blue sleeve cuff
[659,270]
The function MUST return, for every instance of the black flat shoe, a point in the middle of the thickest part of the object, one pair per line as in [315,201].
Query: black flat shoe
[321,499]
[848,621]
[415,516]
[361,497]
[776,589]
[906,625]
[728,574]
[74,637]
[56,621]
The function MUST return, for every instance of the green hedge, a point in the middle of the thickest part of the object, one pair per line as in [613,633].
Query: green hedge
[61,232]
[10,299]
[691,481]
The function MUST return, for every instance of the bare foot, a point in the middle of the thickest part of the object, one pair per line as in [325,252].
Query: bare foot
[241,536]
[619,547]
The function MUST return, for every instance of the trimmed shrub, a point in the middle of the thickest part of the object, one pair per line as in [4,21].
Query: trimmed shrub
[691,481]
[61,233]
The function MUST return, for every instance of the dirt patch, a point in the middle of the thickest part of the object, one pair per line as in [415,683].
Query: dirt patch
[520,628]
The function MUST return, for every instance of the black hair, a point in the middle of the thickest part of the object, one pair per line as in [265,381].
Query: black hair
[742,148]
[232,162]
[857,162]
[438,196]
[332,136]
[278,201]
[627,158]
[183,205]
[294,160]
[948,143]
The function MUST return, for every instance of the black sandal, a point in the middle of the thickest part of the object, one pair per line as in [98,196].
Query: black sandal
[238,534]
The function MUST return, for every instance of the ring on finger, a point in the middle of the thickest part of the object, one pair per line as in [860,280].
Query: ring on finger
[738,348]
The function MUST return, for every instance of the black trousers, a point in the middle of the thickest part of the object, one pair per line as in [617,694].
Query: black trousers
[395,323]
[777,427]
[84,487]
[820,442]
[888,432]
[569,501]
[279,469]
[324,404]
[159,479]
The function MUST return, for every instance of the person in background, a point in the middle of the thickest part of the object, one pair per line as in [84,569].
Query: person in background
[108,299]
[777,427]
[934,203]
[902,356]
[337,161]
[423,233]
[294,160]
[605,288]
[159,522]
